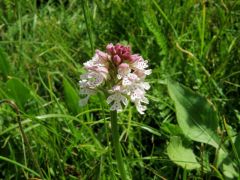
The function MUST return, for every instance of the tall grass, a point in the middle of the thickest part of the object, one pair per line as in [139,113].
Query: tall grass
[43,45]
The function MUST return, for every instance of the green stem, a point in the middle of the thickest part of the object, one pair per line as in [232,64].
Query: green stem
[116,144]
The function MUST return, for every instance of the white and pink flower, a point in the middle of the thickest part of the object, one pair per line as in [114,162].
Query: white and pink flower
[120,74]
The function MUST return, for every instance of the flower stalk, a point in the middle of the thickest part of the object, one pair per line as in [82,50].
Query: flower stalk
[116,145]
[120,75]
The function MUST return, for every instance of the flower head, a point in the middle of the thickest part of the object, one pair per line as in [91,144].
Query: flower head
[120,74]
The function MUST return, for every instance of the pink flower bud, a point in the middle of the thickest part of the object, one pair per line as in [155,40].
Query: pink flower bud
[123,66]
[140,74]
[110,49]
[102,55]
[123,70]
[134,57]
[126,56]
[117,59]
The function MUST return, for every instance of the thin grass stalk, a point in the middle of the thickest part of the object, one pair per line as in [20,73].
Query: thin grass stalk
[88,25]
[26,141]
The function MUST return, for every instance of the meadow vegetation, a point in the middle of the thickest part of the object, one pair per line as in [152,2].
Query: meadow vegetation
[191,127]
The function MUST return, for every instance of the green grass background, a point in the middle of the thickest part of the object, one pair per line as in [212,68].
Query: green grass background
[43,45]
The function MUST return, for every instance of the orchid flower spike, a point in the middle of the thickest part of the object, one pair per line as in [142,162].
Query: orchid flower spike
[119,74]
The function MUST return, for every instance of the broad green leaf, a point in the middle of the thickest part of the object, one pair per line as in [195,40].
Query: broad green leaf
[4,64]
[227,165]
[18,92]
[71,97]
[181,155]
[196,117]
[229,161]
[229,170]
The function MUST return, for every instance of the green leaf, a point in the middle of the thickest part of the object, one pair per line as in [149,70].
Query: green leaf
[151,23]
[227,165]
[4,64]
[229,170]
[181,155]
[229,161]
[18,92]
[195,115]
[237,145]
[71,97]
[18,165]
[171,129]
